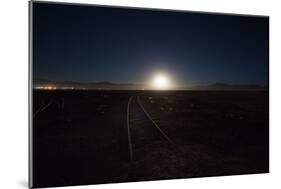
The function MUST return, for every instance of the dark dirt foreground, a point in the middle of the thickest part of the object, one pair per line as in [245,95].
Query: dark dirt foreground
[80,137]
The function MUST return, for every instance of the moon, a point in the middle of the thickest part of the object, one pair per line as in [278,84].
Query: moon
[161,82]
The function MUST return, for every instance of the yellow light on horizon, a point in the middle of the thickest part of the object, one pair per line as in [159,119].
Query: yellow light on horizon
[50,88]
[161,82]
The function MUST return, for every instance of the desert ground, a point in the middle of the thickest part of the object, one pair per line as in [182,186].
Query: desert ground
[95,136]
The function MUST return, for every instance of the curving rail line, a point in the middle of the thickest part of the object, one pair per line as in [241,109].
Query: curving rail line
[130,124]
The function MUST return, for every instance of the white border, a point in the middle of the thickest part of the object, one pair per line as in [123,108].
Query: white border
[14,91]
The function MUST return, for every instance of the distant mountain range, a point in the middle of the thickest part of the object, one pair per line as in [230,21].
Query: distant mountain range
[105,85]
[225,86]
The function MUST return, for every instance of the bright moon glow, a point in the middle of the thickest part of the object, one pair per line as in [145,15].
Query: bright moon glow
[161,82]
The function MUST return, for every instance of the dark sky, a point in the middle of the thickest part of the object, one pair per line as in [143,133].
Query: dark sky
[87,43]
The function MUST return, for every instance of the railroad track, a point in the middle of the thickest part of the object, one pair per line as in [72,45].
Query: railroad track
[142,128]
[59,101]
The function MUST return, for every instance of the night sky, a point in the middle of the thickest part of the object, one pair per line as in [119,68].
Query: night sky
[92,44]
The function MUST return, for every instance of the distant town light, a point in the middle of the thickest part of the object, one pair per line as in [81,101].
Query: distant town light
[46,87]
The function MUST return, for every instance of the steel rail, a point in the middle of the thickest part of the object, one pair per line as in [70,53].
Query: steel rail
[154,123]
[128,128]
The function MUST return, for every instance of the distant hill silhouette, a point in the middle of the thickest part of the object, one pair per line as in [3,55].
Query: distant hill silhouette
[225,86]
[103,85]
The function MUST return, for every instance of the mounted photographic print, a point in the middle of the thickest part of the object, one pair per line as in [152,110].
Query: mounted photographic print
[121,94]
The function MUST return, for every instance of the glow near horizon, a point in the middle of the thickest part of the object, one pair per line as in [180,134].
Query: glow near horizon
[161,82]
